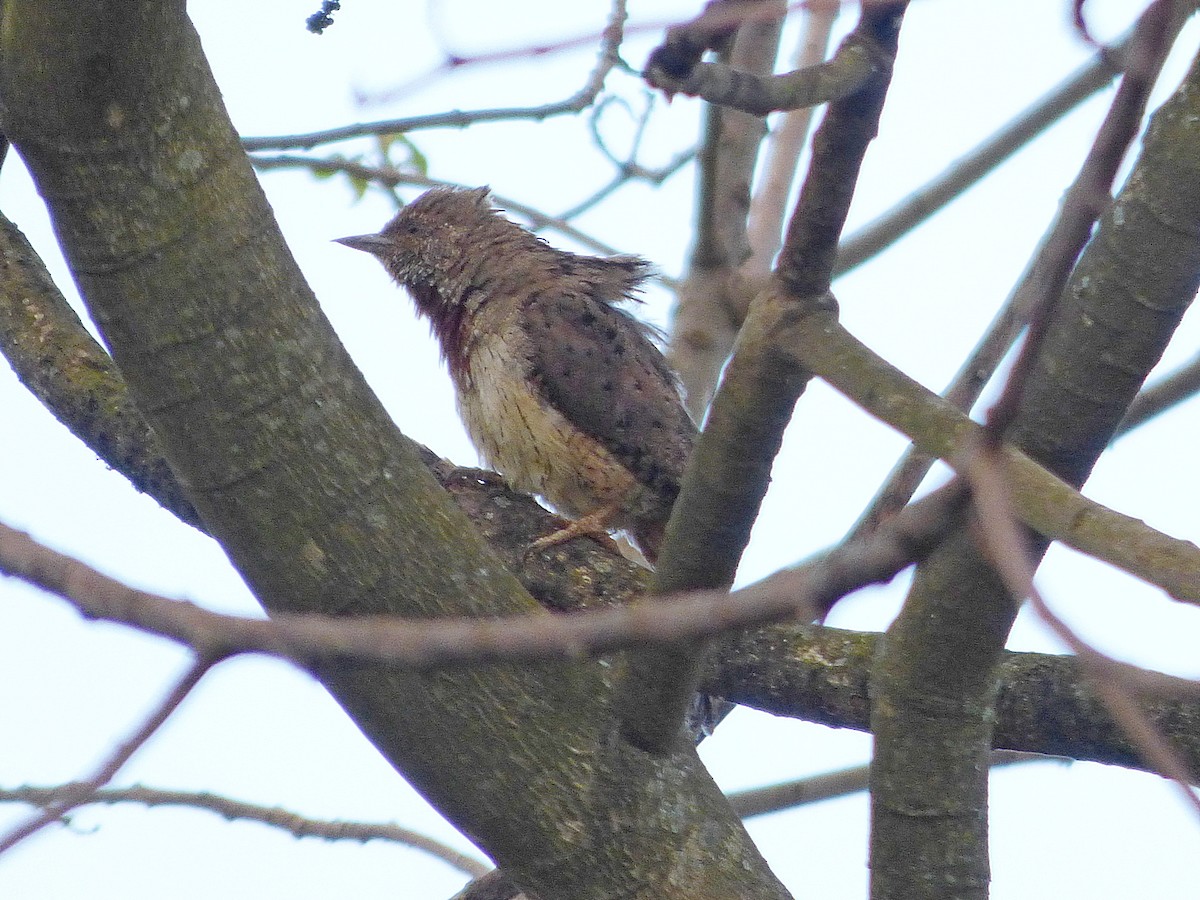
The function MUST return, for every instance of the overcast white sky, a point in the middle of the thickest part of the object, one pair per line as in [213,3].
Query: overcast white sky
[258,731]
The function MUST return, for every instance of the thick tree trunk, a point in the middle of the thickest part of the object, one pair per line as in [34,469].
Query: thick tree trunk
[297,471]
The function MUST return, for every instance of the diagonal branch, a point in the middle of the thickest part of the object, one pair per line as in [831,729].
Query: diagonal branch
[1165,393]
[831,785]
[68,371]
[313,641]
[788,137]
[710,306]
[846,73]
[924,202]
[729,470]
[611,38]
[1003,543]
[1043,501]
[293,823]
[1088,197]
[79,793]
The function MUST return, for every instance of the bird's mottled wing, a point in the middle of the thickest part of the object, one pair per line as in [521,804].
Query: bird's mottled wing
[596,366]
[611,279]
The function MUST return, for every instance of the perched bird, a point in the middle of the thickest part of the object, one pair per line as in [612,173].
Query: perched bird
[562,391]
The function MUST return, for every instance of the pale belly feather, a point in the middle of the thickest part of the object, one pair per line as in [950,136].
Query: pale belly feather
[531,444]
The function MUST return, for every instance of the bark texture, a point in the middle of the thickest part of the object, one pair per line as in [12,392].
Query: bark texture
[296,470]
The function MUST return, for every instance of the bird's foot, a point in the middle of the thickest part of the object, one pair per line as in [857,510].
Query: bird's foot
[594,525]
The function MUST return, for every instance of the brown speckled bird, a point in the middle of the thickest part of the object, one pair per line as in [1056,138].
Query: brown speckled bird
[561,390]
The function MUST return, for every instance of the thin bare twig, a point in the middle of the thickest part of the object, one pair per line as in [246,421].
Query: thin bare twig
[79,792]
[1164,394]
[1086,199]
[293,823]
[924,202]
[1106,676]
[970,381]
[1006,548]
[842,783]
[628,171]
[391,177]
[804,593]
[611,38]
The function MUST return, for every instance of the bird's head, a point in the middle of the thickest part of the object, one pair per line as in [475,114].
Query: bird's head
[425,244]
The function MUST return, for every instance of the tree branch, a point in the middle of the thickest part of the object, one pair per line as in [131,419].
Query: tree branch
[807,672]
[934,683]
[924,202]
[300,474]
[1164,394]
[611,38]
[831,785]
[294,824]
[1088,196]
[1043,501]
[847,72]
[784,145]
[729,470]
[710,302]
[1045,704]
[72,376]
[314,641]
[78,793]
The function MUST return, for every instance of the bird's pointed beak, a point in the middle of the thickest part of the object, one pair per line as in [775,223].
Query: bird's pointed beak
[375,244]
